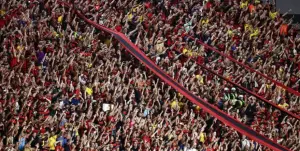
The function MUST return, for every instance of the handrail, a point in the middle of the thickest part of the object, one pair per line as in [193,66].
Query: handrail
[220,115]
[247,67]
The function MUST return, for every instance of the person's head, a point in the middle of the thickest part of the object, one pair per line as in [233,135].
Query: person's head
[52,133]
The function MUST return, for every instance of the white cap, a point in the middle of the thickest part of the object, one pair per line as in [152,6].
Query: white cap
[241,96]
[233,89]
[226,89]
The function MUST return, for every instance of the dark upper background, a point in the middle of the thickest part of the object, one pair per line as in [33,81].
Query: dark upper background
[285,5]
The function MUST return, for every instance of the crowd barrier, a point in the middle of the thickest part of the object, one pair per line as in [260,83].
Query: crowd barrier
[247,67]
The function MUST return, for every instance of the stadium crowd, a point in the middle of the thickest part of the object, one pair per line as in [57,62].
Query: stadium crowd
[68,86]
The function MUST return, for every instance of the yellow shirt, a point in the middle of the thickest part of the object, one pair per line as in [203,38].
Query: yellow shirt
[20,48]
[244,4]
[187,52]
[202,137]
[52,141]
[248,27]
[56,34]
[190,53]
[230,32]
[254,33]
[273,15]
[184,51]
[59,19]
[180,104]
[154,126]
[284,105]
[89,91]
[205,21]
[174,104]
[200,78]
[130,16]
[141,18]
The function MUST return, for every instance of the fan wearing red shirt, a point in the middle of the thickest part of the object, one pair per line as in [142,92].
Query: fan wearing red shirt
[58,147]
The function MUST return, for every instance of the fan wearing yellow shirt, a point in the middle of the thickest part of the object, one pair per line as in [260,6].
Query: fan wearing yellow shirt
[202,137]
[132,13]
[244,4]
[283,104]
[184,51]
[204,21]
[20,48]
[59,19]
[255,33]
[200,78]
[174,104]
[52,141]
[129,17]
[188,52]
[273,15]
[230,32]
[141,18]
[248,27]
[89,91]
